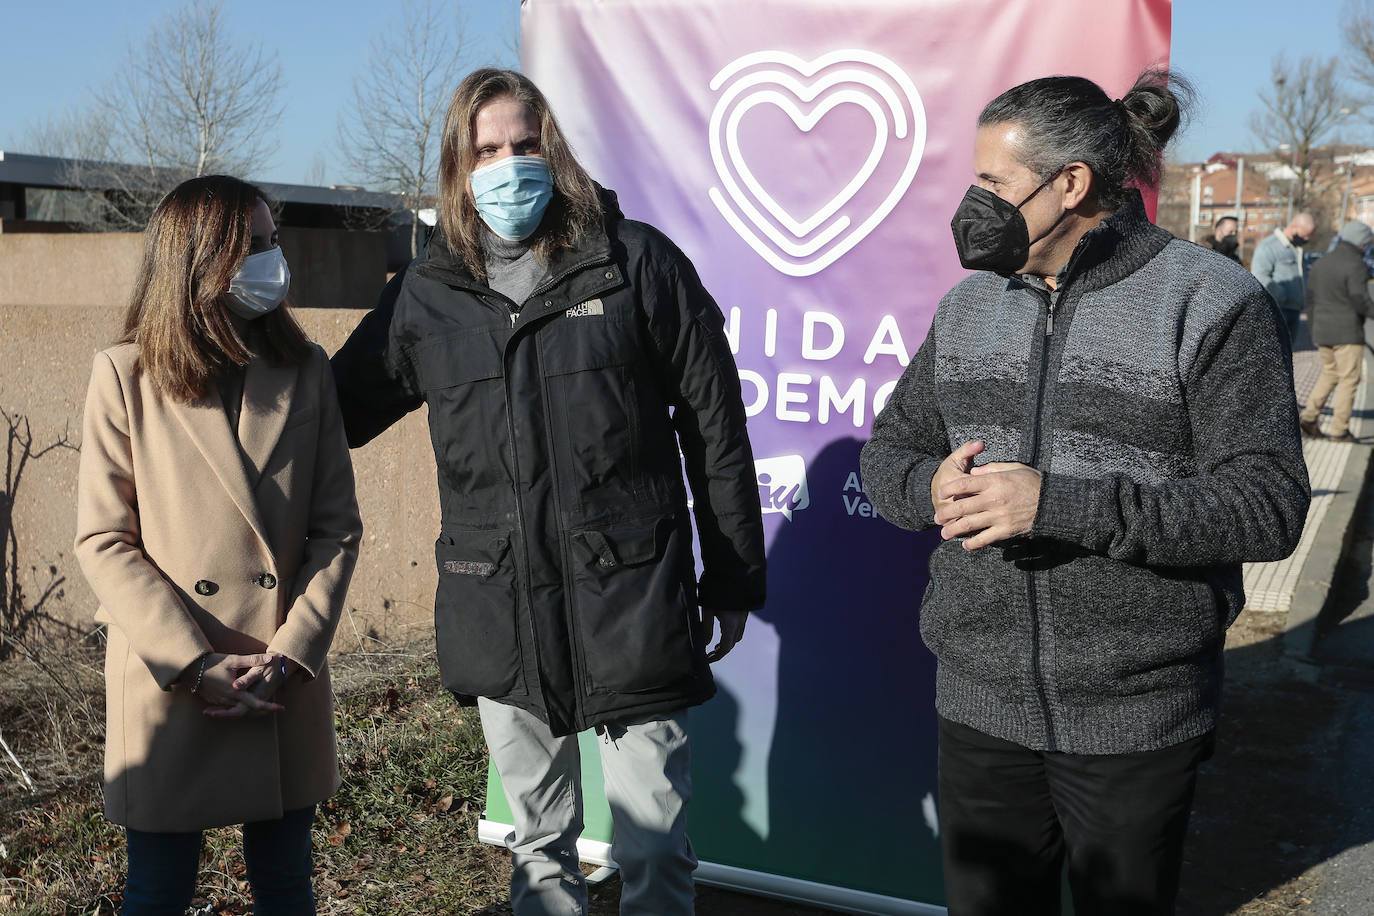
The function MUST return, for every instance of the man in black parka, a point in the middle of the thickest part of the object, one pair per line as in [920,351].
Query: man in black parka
[574,367]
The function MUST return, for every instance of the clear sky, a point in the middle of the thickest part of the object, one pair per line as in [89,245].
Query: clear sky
[56,50]
[1226,46]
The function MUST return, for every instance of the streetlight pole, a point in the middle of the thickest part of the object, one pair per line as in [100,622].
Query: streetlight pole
[1240,208]
[1349,171]
[1345,198]
[1292,175]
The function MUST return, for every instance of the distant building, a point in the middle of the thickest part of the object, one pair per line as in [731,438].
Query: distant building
[37,194]
[1340,187]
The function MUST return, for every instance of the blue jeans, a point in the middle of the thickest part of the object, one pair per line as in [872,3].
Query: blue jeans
[163,866]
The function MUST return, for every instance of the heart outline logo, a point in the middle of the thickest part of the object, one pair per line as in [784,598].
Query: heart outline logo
[804,247]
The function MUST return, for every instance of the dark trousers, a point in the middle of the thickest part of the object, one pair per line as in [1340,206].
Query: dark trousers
[163,866]
[1010,817]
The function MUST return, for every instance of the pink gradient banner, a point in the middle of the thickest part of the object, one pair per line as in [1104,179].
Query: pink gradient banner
[807,156]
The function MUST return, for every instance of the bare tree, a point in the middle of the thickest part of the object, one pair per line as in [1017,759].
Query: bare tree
[188,100]
[390,139]
[1357,30]
[71,133]
[315,174]
[1302,106]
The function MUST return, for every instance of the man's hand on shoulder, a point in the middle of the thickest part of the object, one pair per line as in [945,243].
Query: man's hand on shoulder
[731,630]
[993,503]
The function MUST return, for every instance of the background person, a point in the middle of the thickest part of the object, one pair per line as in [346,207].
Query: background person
[1278,265]
[1102,422]
[1338,302]
[573,364]
[217,525]
[1225,237]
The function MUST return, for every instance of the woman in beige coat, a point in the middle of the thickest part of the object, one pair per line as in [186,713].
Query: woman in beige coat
[218,527]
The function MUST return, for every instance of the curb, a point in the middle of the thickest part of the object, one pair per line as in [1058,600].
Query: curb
[1332,540]
[1328,549]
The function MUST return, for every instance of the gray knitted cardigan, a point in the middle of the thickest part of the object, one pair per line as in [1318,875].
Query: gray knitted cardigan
[1155,393]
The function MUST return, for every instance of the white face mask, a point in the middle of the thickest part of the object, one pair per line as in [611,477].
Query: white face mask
[260,284]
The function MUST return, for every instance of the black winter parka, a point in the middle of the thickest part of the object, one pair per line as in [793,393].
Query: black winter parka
[561,428]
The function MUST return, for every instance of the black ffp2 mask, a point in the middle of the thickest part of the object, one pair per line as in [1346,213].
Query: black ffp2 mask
[990,233]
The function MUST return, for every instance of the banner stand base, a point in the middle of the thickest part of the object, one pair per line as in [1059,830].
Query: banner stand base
[793,890]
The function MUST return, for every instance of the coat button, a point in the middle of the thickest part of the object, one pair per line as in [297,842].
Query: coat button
[548,303]
[267,580]
[610,275]
[206,587]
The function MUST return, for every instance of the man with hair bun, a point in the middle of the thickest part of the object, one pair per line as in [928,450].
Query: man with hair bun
[1101,422]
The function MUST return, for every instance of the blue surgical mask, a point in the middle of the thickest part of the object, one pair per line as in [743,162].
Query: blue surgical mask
[513,194]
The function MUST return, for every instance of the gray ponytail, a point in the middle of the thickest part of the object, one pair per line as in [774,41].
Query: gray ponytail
[1070,119]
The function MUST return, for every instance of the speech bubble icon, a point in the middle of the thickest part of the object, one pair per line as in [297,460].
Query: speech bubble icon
[782,485]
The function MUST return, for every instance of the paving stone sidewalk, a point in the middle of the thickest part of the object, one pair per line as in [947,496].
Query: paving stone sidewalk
[1273,586]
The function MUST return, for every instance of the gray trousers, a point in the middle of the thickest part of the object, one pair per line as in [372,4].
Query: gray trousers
[647,783]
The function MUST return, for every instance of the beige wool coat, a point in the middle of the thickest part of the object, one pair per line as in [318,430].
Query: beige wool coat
[194,542]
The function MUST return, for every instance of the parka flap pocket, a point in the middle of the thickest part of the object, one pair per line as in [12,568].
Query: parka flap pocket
[472,553]
[457,360]
[475,611]
[626,545]
[582,344]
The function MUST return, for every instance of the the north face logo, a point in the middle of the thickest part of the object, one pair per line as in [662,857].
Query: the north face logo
[590,307]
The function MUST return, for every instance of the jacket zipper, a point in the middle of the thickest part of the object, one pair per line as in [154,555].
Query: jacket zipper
[1037,673]
[516,474]
[520,521]
[574,634]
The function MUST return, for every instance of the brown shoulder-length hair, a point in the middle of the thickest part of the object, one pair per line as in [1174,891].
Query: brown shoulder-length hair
[195,242]
[575,207]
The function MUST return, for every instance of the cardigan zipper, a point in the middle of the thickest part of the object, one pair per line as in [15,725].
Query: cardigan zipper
[1037,674]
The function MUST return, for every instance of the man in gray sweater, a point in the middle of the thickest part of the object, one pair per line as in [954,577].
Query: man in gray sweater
[1101,421]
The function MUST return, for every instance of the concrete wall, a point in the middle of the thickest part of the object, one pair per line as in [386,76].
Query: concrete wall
[330,268]
[45,361]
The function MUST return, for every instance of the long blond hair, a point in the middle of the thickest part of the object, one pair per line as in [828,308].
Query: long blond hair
[575,207]
[195,242]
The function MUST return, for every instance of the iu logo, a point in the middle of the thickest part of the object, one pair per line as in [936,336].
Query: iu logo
[808,92]
[782,485]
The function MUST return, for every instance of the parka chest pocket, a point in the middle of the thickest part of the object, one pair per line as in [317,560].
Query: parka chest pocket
[463,386]
[634,604]
[475,612]
[591,369]
[457,360]
[585,342]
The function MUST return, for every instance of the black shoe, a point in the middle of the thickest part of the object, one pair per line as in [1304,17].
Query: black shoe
[1343,437]
[1309,428]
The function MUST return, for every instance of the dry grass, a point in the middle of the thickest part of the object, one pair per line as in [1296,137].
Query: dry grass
[398,837]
